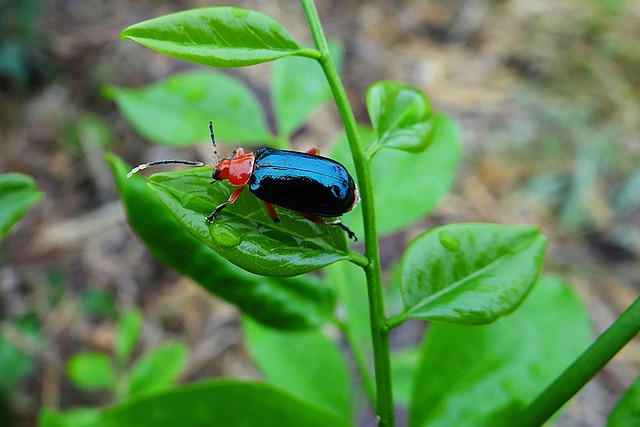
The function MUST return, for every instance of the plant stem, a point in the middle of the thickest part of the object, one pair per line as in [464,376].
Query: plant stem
[379,329]
[584,368]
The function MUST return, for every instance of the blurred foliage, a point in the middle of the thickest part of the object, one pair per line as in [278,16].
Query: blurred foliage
[579,85]
[23,51]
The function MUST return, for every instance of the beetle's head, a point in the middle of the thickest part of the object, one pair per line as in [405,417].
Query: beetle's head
[221,171]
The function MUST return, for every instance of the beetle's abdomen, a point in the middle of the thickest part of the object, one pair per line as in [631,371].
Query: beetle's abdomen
[302,182]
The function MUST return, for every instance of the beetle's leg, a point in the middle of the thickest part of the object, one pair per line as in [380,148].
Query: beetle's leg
[272,212]
[315,150]
[232,199]
[337,223]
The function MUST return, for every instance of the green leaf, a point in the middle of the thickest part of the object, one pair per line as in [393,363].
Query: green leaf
[403,367]
[176,111]
[244,233]
[216,36]
[18,193]
[481,375]
[14,365]
[294,303]
[91,370]
[128,334]
[407,186]
[400,115]
[158,369]
[627,410]
[299,87]
[80,417]
[221,403]
[470,273]
[307,364]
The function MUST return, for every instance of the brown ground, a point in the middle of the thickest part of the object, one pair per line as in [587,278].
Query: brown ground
[531,83]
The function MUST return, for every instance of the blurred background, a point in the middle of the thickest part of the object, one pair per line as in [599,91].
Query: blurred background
[546,92]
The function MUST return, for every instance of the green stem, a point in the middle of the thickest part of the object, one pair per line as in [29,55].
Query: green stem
[379,328]
[584,368]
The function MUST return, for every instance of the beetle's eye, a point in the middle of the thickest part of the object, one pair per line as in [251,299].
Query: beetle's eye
[215,174]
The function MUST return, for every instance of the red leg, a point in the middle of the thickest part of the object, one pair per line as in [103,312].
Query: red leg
[272,212]
[337,223]
[315,150]
[234,196]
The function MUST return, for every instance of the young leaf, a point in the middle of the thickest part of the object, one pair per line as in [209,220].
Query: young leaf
[470,273]
[128,334]
[294,303]
[299,87]
[220,403]
[481,375]
[284,358]
[400,115]
[158,369]
[18,193]
[244,233]
[627,410]
[91,370]
[407,186]
[217,36]
[176,111]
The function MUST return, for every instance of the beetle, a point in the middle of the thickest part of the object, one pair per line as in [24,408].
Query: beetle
[314,186]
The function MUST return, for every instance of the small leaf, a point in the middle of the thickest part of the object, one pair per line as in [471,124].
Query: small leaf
[407,186]
[80,417]
[128,334]
[627,410]
[481,272]
[481,375]
[91,370]
[284,358]
[220,403]
[244,233]
[217,36]
[176,111]
[158,369]
[299,87]
[18,193]
[294,303]
[400,115]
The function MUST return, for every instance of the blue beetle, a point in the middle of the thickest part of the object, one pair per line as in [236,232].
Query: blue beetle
[314,186]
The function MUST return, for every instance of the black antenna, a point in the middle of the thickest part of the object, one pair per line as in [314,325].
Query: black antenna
[180,162]
[216,158]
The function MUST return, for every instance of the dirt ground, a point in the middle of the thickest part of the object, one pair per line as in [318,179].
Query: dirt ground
[537,88]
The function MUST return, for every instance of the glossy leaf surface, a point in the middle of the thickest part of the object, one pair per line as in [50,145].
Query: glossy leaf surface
[407,186]
[244,233]
[400,115]
[158,369]
[221,403]
[295,303]
[299,87]
[307,364]
[216,36]
[18,193]
[177,111]
[482,375]
[470,273]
